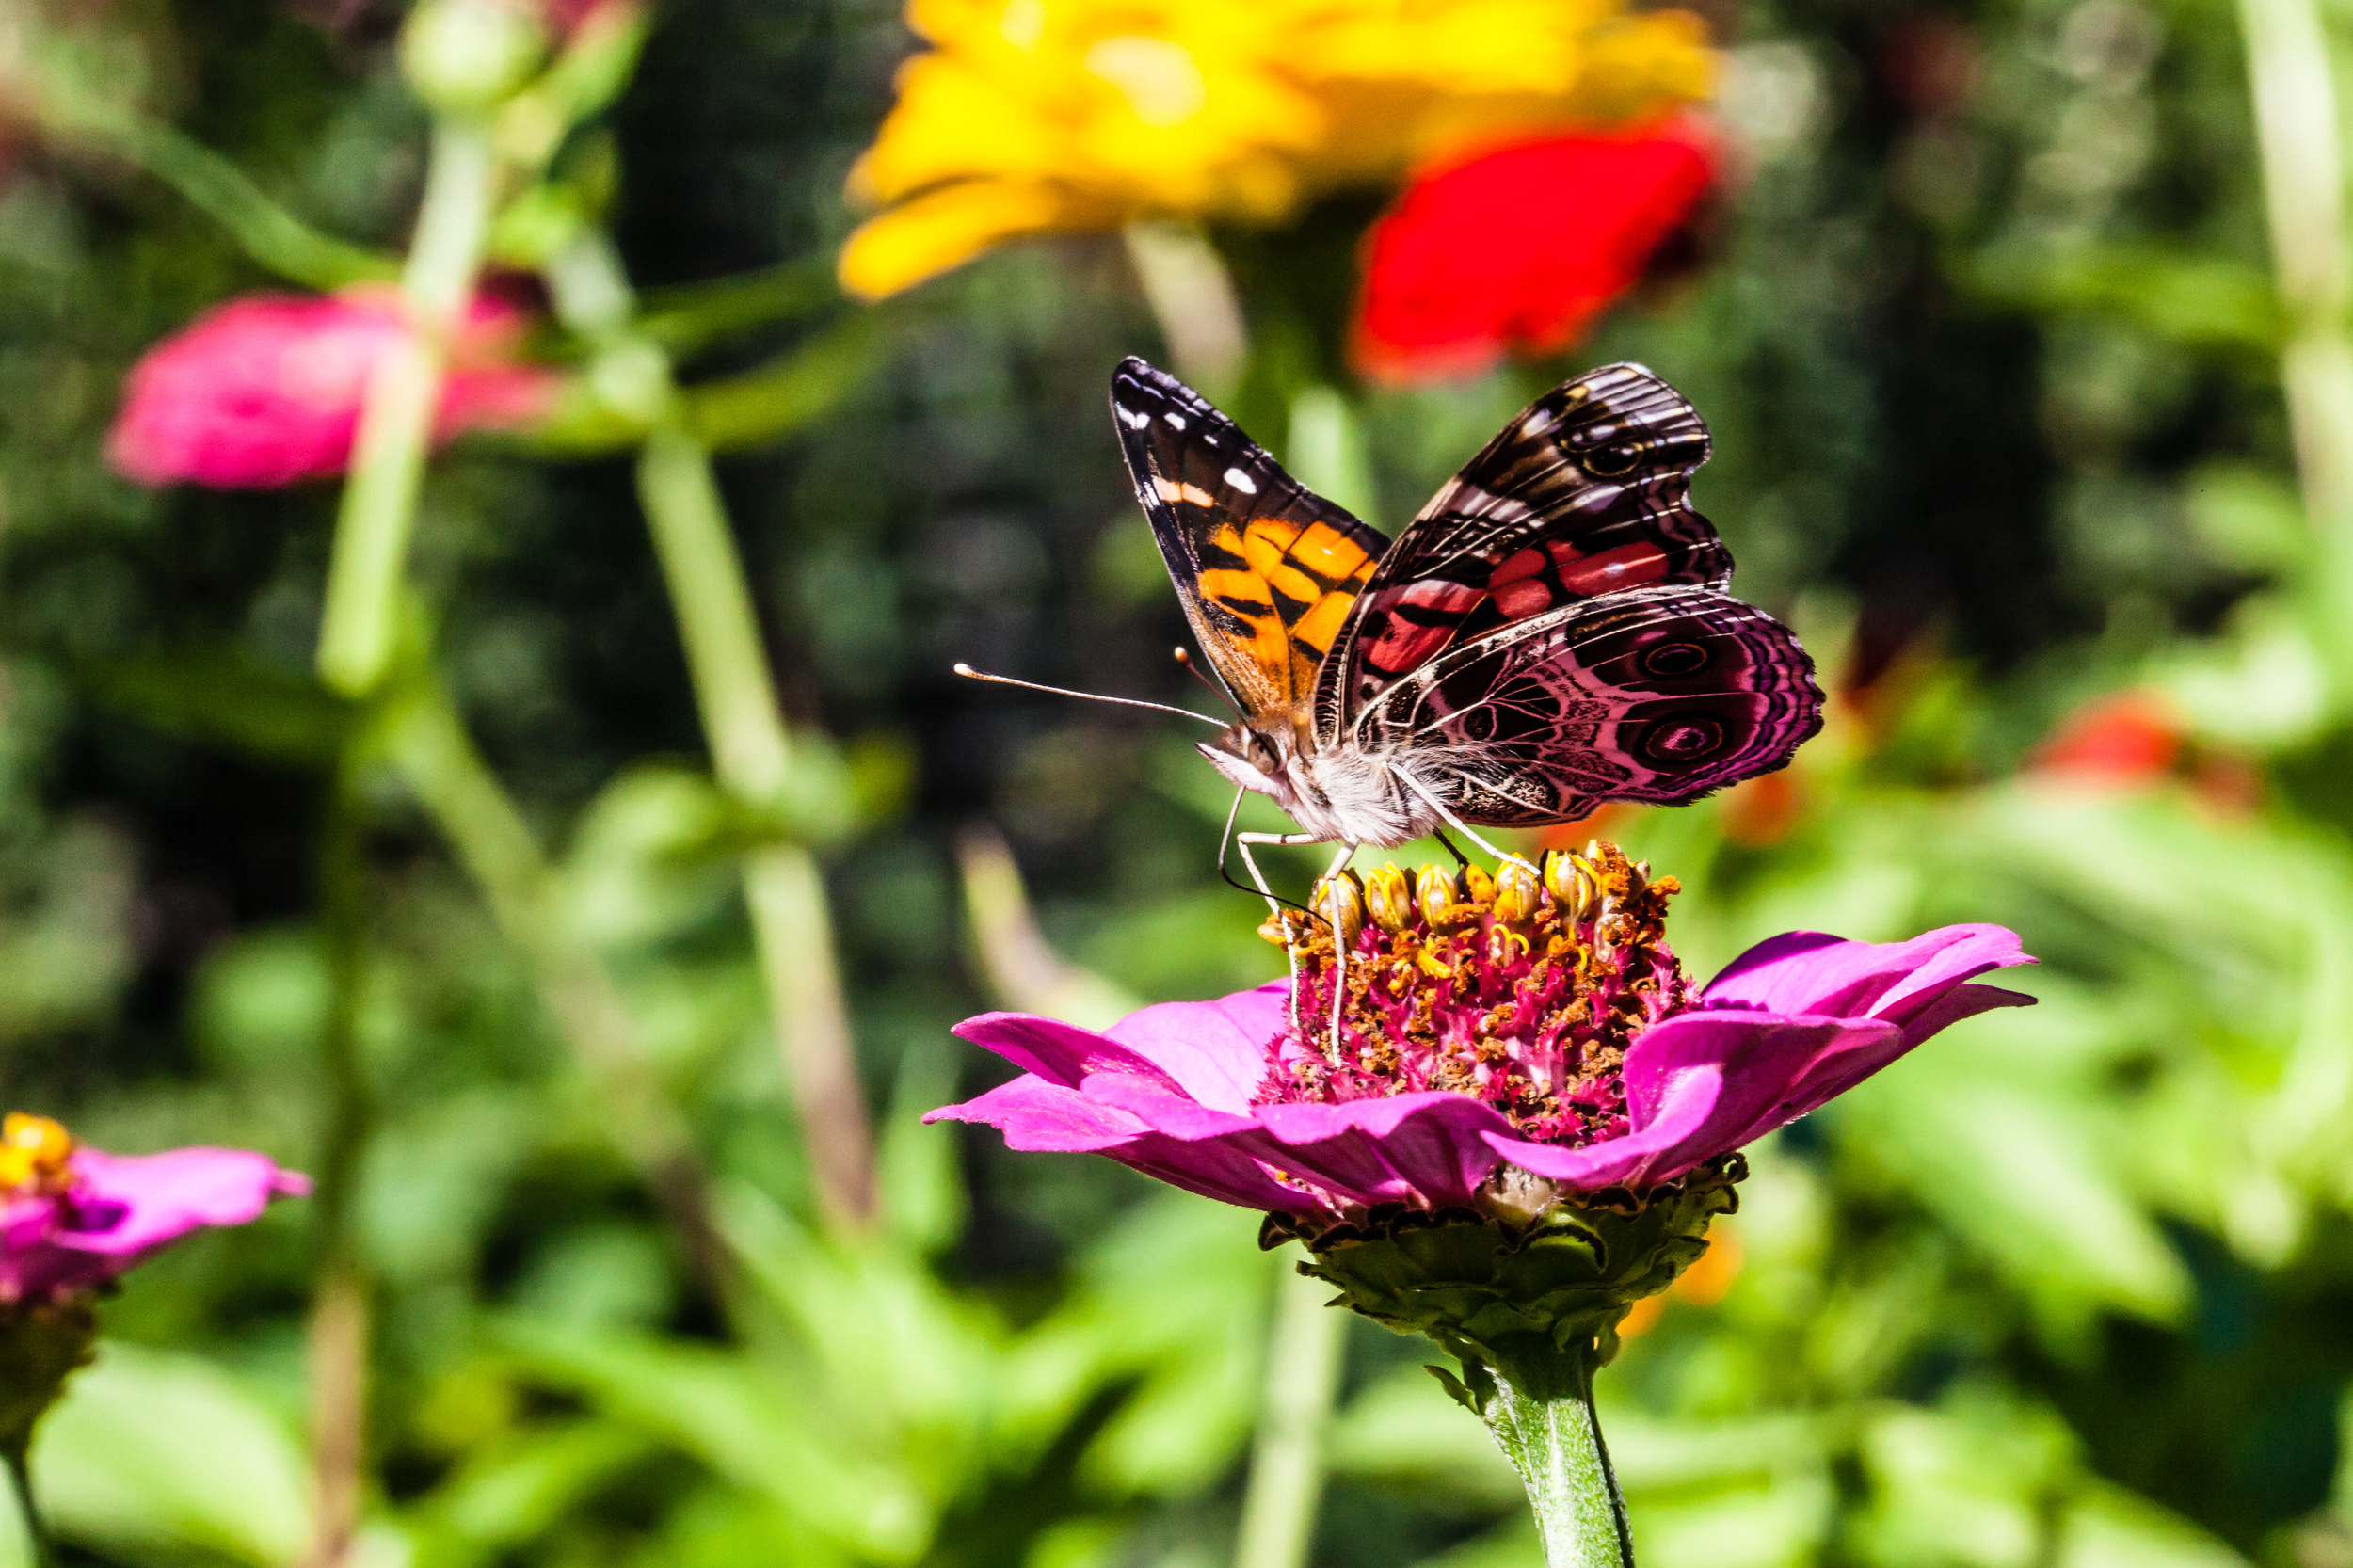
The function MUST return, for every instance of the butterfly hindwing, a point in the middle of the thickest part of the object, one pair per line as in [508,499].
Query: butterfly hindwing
[1584,493]
[1658,694]
[1267,569]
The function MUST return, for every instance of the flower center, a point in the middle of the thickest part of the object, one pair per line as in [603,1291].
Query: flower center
[1522,989]
[34,1156]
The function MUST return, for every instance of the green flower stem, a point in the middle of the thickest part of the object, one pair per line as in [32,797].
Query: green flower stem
[28,1515]
[2295,97]
[1303,1376]
[380,502]
[751,751]
[41,1343]
[749,748]
[422,735]
[752,756]
[338,1329]
[1540,1411]
[1193,298]
[264,230]
[338,1339]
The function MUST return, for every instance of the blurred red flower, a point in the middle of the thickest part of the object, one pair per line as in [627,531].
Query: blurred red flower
[2123,739]
[266,391]
[1520,247]
[567,17]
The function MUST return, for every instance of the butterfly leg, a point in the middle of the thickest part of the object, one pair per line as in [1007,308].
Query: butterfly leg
[1243,841]
[1461,827]
[1339,955]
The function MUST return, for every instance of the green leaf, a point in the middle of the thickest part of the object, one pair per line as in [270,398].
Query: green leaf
[509,1495]
[216,693]
[742,1422]
[788,395]
[2183,295]
[154,1454]
[2111,1528]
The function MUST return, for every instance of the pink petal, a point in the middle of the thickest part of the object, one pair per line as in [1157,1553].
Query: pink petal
[1039,1117]
[1034,1115]
[1056,1052]
[1430,1144]
[1702,1083]
[1408,1148]
[130,1203]
[1216,1050]
[1811,972]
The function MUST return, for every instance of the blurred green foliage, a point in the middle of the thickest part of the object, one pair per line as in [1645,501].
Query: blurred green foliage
[1987,337]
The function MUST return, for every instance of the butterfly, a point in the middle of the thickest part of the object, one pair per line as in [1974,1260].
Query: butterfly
[1550,632]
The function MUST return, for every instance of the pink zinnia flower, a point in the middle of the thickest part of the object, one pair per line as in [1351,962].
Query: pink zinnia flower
[266,391]
[1503,1041]
[71,1218]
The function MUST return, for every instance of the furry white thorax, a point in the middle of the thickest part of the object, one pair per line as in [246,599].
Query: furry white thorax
[1344,797]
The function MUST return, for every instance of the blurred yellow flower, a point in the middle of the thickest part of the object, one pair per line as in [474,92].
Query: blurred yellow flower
[1030,116]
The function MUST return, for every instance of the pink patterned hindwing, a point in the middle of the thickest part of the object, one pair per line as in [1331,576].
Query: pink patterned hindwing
[1585,493]
[1659,695]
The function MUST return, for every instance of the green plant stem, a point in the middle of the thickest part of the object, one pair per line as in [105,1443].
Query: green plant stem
[28,1515]
[338,1329]
[751,753]
[423,736]
[264,230]
[749,748]
[1303,1376]
[2296,122]
[1541,1411]
[339,1338]
[1191,295]
[379,501]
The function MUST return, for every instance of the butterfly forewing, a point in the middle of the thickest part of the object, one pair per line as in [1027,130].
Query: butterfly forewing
[1585,493]
[1656,695]
[1267,569]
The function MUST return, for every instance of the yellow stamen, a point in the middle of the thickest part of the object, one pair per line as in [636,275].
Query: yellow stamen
[1389,899]
[1516,893]
[1572,883]
[34,1152]
[1342,900]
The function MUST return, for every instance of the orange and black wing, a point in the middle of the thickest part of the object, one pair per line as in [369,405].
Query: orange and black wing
[1267,569]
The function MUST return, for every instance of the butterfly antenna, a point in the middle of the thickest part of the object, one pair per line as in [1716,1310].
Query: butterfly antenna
[1201,675]
[971,674]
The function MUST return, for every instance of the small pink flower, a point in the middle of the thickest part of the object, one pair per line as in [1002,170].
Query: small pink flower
[266,391]
[71,1218]
[1488,1029]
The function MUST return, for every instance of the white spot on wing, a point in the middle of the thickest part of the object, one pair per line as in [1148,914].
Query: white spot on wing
[1241,481]
[1135,421]
[1176,420]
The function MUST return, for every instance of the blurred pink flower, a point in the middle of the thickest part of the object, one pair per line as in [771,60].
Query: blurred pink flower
[1495,1028]
[71,1218]
[266,391]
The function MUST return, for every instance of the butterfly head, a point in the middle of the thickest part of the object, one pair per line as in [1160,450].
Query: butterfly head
[1256,759]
